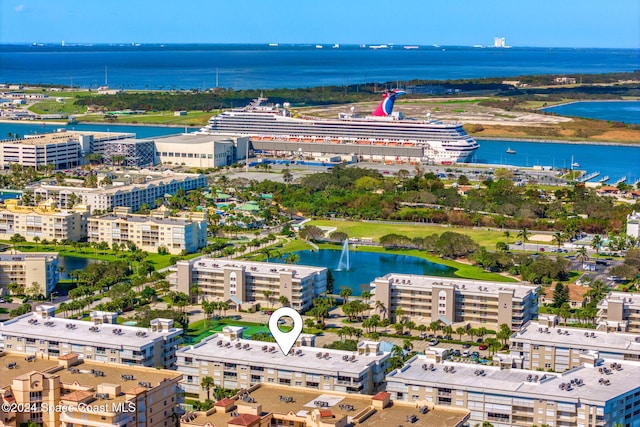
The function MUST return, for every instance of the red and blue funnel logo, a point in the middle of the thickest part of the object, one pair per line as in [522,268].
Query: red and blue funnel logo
[385,108]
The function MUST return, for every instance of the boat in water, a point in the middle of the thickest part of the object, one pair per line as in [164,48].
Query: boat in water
[510,151]
[575,165]
[439,142]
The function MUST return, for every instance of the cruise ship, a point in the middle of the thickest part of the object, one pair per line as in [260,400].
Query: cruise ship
[437,142]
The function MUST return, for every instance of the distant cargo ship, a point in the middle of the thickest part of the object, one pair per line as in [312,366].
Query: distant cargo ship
[443,143]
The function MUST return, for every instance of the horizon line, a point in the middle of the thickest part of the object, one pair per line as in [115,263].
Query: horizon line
[58,43]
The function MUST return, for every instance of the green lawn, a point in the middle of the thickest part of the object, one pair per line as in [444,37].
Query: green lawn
[55,107]
[193,118]
[487,238]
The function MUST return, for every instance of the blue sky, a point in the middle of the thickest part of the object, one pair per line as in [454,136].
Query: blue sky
[545,23]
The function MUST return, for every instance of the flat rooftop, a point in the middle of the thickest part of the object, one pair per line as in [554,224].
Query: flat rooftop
[79,332]
[306,359]
[112,373]
[631,300]
[514,382]
[57,137]
[340,404]
[144,219]
[19,257]
[466,286]
[257,268]
[587,339]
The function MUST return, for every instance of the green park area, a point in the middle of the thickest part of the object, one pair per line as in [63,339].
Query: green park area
[374,230]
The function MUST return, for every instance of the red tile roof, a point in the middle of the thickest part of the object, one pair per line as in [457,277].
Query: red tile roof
[324,413]
[382,395]
[225,402]
[244,420]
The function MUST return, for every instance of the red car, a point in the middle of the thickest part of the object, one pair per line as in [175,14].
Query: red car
[483,347]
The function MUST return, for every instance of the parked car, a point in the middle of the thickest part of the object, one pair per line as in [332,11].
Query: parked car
[466,345]
[475,354]
[434,342]
[456,353]
[518,242]
[479,340]
[483,347]
[466,353]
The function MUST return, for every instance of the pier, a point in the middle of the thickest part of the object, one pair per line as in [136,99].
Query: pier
[621,180]
[588,177]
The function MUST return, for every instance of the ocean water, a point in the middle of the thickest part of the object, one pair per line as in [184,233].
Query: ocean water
[290,66]
[620,111]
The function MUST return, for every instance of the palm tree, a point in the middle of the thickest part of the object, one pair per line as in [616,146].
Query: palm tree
[596,243]
[460,331]
[559,237]
[293,258]
[582,255]
[345,293]
[524,234]
[283,300]
[267,294]
[407,344]
[309,323]
[399,313]
[36,240]
[207,384]
[507,235]
[434,326]
[380,307]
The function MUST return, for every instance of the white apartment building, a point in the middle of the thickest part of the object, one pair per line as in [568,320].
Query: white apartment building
[150,232]
[599,393]
[142,187]
[461,302]
[244,283]
[619,311]
[633,224]
[44,221]
[234,362]
[42,334]
[27,269]
[202,151]
[545,345]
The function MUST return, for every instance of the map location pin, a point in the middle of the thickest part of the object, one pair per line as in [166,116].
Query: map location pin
[285,340]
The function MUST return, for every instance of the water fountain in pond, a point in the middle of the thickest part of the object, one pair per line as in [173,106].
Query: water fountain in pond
[344,263]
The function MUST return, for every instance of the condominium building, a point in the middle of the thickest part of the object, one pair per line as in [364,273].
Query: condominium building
[424,299]
[43,221]
[29,269]
[248,284]
[272,405]
[633,225]
[138,188]
[42,334]
[202,151]
[598,393]
[149,232]
[68,392]
[620,312]
[234,362]
[545,345]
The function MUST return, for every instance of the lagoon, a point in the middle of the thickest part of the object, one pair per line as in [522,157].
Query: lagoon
[619,111]
[366,266]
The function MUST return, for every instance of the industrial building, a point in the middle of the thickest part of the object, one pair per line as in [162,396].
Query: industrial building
[202,151]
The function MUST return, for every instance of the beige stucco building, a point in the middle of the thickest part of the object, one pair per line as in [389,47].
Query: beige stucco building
[69,392]
[619,311]
[244,283]
[267,405]
[424,299]
[27,269]
[44,221]
[149,232]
